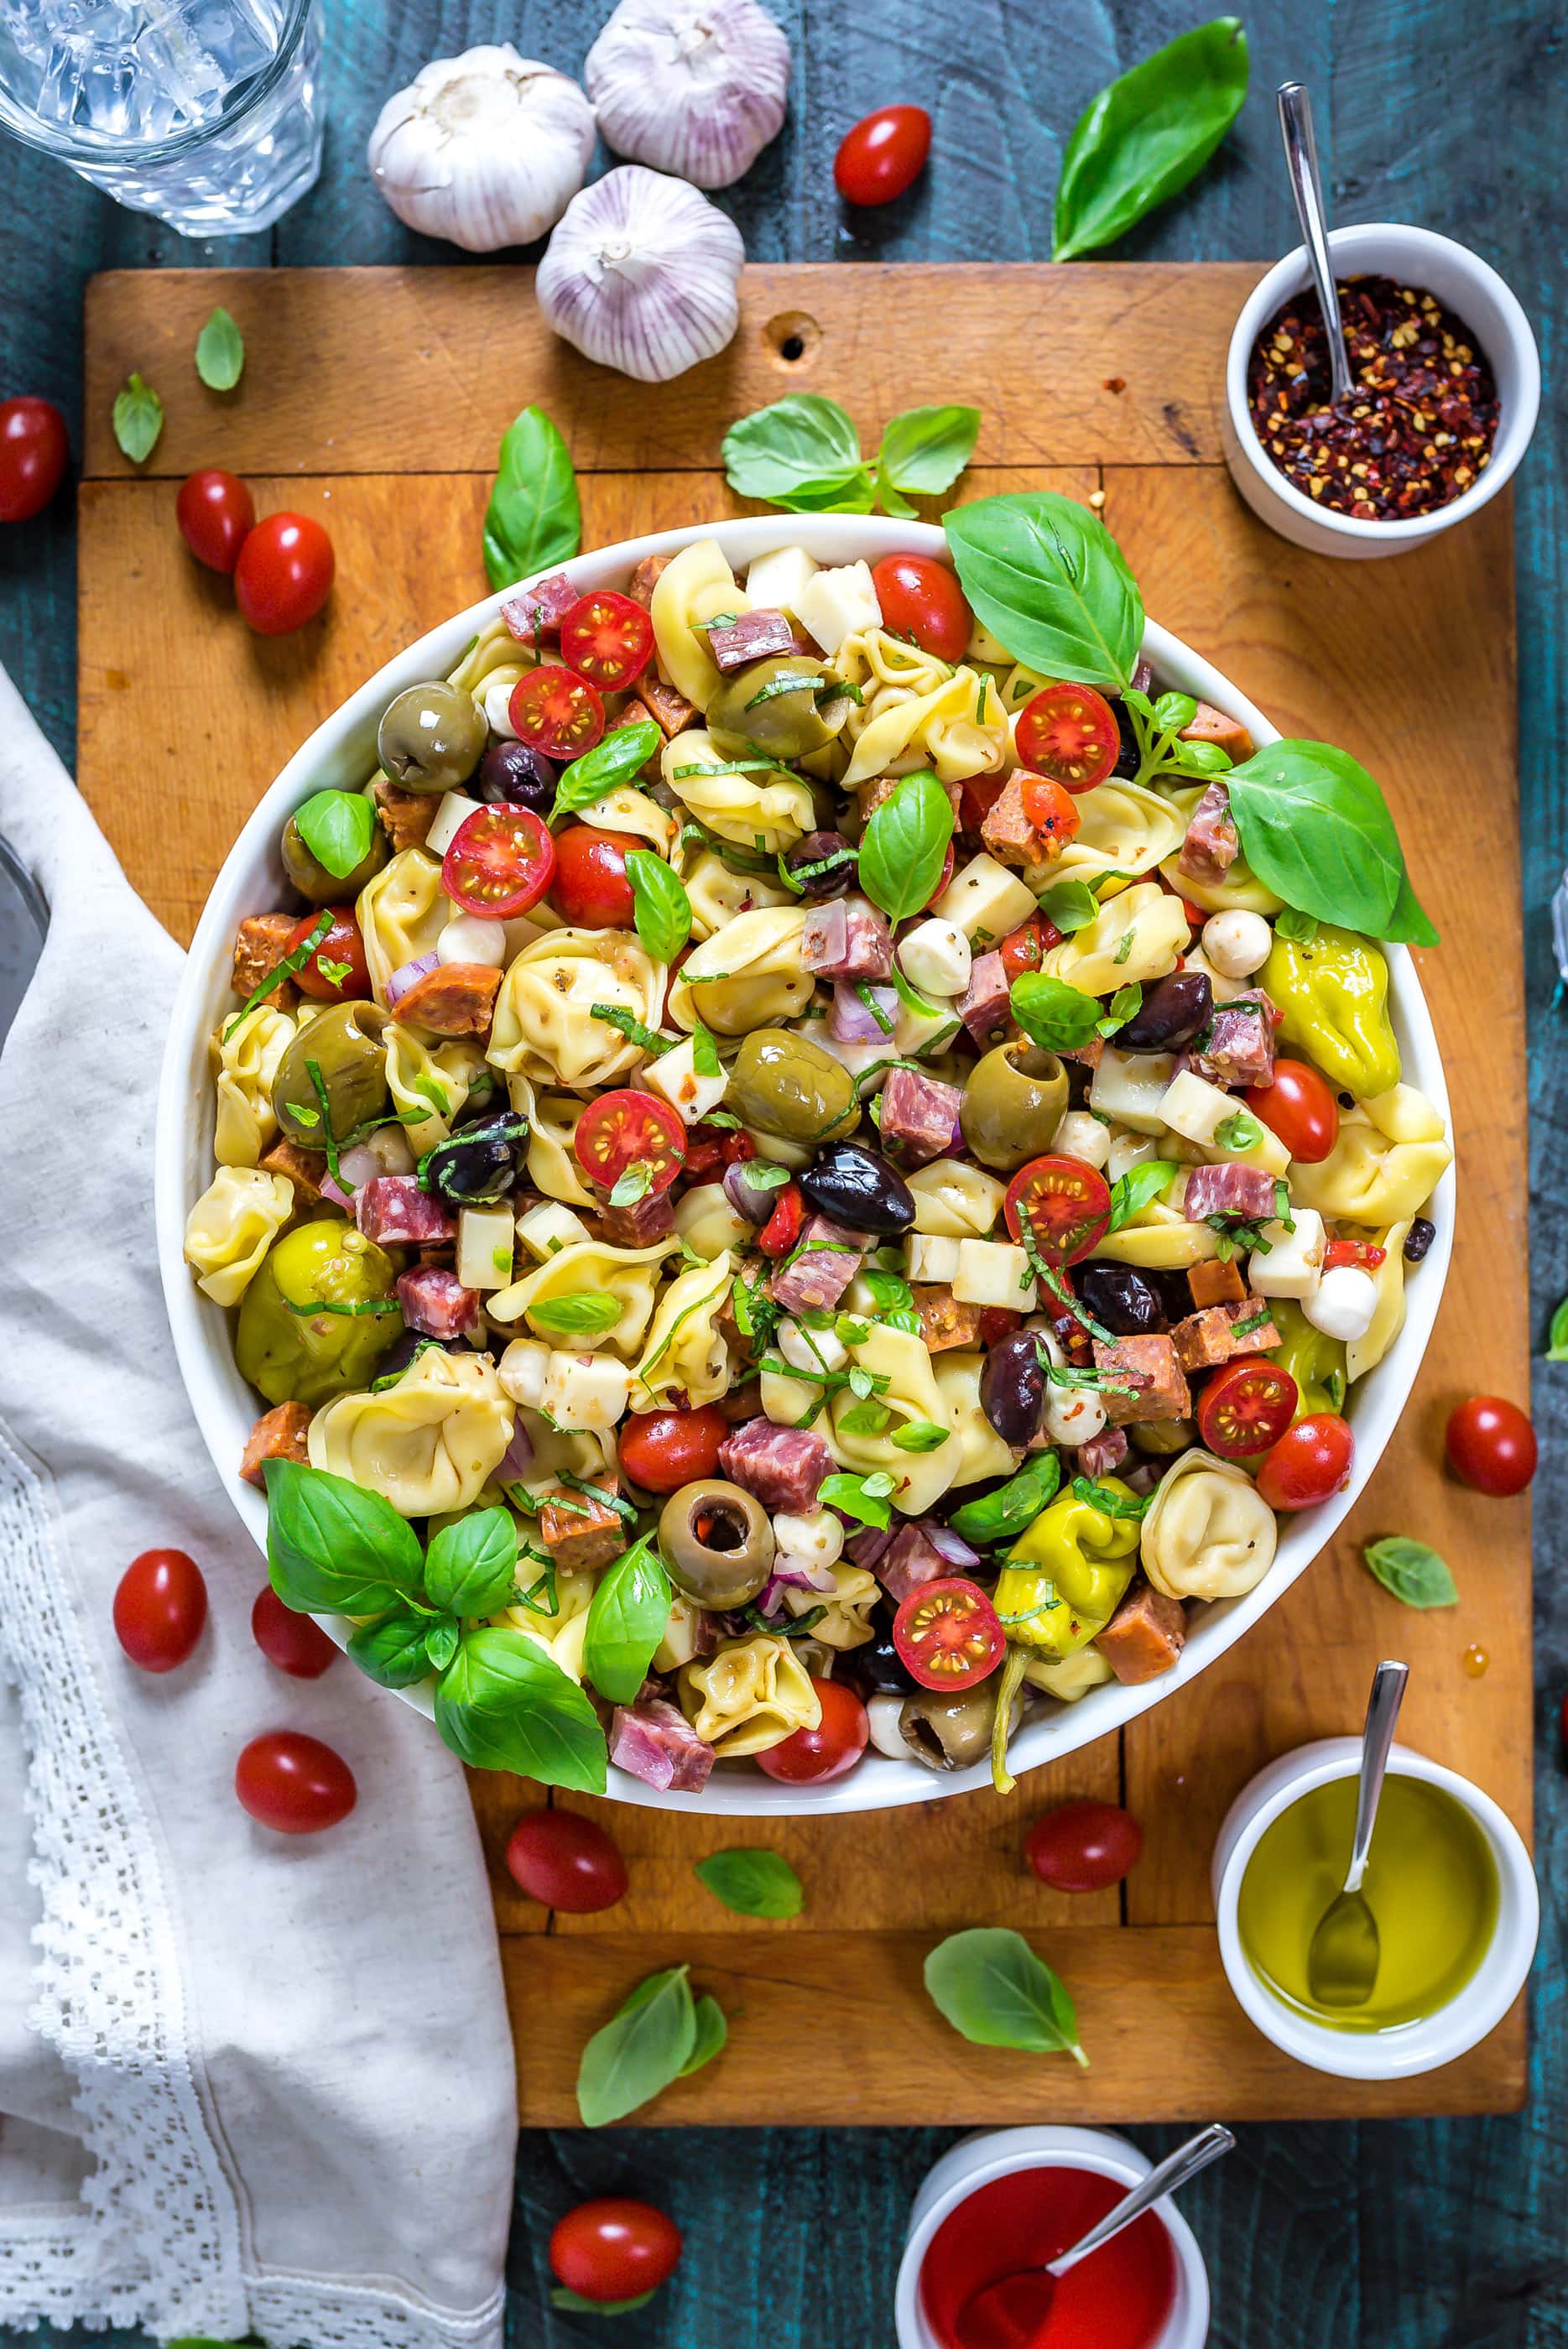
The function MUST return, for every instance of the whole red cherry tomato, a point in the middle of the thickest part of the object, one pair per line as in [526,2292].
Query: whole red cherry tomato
[284,574]
[883,155]
[160,1607]
[1300,1107]
[34,454]
[294,1782]
[1491,1445]
[1083,1847]
[336,971]
[834,1747]
[566,1862]
[216,514]
[1311,1460]
[614,2248]
[1068,734]
[296,1643]
[590,889]
[663,1450]
[922,598]
[606,638]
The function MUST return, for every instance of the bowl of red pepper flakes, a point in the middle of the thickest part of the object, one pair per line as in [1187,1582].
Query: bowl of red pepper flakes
[1447,388]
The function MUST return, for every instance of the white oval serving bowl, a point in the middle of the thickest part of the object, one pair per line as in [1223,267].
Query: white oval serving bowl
[340,754]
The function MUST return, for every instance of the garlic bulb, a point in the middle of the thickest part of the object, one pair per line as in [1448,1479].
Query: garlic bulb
[640,275]
[692,87]
[485,150]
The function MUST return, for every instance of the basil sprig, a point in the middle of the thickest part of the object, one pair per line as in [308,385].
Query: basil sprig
[993,1990]
[337,827]
[1316,830]
[1141,141]
[804,454]
[659,2033]
[616,760]
[220,352]
[534,520]
[752,1883]
[1045,576]
[661,909]
[1055,1015]
[1000,1516]
[1411,1572]
[626,1622]
[904,846]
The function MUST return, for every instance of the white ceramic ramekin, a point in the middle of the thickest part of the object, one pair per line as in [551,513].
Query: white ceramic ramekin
[1468,286]
[997,2153]
[1416,2046]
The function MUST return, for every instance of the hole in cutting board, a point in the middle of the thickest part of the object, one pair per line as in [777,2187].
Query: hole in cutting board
[792,339]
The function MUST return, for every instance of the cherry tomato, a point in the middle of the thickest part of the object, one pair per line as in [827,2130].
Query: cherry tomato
[1024,949]
[296,1643]
[284,574]
[554,712]
[978,794]
[623,1130]
[834,1747]
[947,1633]
[216,514]
[1245,1408]
[1491,1445]
[613,2249]
[1311,1460]
[1068,1205]
[337,972]
[783,1228]
[883,155]
[922,598]
[34,454]
[943,877]
[566,1862]
[590,889]
[663,1450]
[501,861]
[1360,1253]
[160,1607]
[998,1321]
[1050,809]
[710,1148]
[1300,1107]
[1068,734]
[606,638]
[1083,1845]
[294,1782]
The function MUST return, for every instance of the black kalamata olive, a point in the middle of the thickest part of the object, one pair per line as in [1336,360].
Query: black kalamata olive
[478,1164]
[522,777]
[1129,758]
[1419,1239]
[1013,1387]
[1172,1013]
[755,1200]
[1120,1298]
[859,1190]
[832,852]
[876,1669]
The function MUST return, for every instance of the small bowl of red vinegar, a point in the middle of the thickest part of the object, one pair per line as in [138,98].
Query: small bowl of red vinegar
[1011,2199]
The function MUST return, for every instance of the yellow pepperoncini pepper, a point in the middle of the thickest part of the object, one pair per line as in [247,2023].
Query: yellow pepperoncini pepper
[1332,989]
[1316,1361]
[1065,1577]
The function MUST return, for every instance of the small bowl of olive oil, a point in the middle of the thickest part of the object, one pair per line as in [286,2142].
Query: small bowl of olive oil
[1448,1881]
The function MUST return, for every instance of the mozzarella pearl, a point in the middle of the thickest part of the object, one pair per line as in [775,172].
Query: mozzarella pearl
[936,957]
[469,938]
[811,1350]
[496,703]
[884,1714]
[1072,1414]
[1343,1302]
[1083,1137]
[1237,944]
[817,1539]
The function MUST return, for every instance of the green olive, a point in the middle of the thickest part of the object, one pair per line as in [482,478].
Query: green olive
[717,1542]
[312,879]
[948,1732]
[754,707]
[1015,1101]
[432,738]
[1164,1437]
[785,1084]
[344,1045]
[293,1356]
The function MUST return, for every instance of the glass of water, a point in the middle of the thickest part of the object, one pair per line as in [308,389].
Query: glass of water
[205,112]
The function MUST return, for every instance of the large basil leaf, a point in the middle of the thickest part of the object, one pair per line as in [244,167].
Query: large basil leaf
[904,846]
[993,1990]
[641,2050]
[661,909]
[712,2035]
[1131,1191]
[751,1882]
[534,520]
[503,1703]
[1048,580]
[334,1549]
[999,1517]
[1409,923]
[616,760]
[337,827]
[926,449]
[392,1651]
[626,1623]
[1145,135]
[802,452]
[1316,830]
[1055,1015]
[470,1566]
[1411,1571]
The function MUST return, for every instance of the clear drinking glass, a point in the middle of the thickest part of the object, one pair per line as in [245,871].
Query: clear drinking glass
[205,112]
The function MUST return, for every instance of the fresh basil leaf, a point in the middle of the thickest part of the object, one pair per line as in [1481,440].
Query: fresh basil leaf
[849,1494]
[391,1650]
[1411,1572]
[137,418]
[626,1620]
[1557,1335]
[220,352]
[534,521]
[641,2050]
[920,1435]
[503,1703]
[1240,1131]
[633,1186]
[1141,141]
[802,452]
[1070,906]
[580,1313]
[1002,1516]
[561,2297]
[1316,830]
[765,1175]
[712,2032]
[334,1549]
[1409,924]
[752,1883]
[926,449]
[616,760]
[442,1639]
[904,845]
[1301,927]
[1055,1015]
[1046,577]
[891,498]
[890,1292]
[661,909]
[705,1058]
[470,1565]
[1172,712]
[1151,1178]
[338,828]
[993,1990]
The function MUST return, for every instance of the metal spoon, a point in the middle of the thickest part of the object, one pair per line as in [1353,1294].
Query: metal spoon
[1343,1959]
[1306,187]
[1011,2313]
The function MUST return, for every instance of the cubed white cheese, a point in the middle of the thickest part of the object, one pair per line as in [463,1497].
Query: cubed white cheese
[549,1227]
[1083,1137]
[931,1257]
[674,1074]
[915,1032]
[1191,1106]
[833,605]
[775,580]
[936,956]
[523,1370]
[811,1350]
[1293,1265]
[992,1272]
[455,810]
[986,901]
[469,938]
[588,1390]
[1131,1087]
[484,1246]
[520,933]
[1128,1150]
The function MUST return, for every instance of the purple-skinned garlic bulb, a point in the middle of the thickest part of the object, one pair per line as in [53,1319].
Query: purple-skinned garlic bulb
[641,274]
[696,88]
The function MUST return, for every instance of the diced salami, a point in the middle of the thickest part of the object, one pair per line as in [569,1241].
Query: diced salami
[1211,725]
[1247,1191]
[670,712]
[818,1275]
[456,998]
[1146,1635]
[749,637]
[1150,1367]
[1103,1454]
[538,610]
[1237,1047]
[944,1322]
[392,1210]
[911,1560]
[658,1744]
[261,943]
[1210,1337]
[639,1225]
[437,1305]
[782,1467]
[646,578]
[867,1544]
[304,1169]
[579,1532]
[846,938]
[278,1435]
[987,1004]
[1213,843]
[1213,1283]
[919,1117]
[406,817]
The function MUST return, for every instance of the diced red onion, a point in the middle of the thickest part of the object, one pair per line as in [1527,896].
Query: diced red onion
[517,1458]
[852,1019]
[336,1193]
[867,1544]
[754,1201]
[804,1575]
[953,1546]
[402,979]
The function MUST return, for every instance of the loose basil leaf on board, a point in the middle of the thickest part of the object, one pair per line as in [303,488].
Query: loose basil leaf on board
[138,418]
[662,910]
[1411,1572]
[1316,830]
[581,1313]
[993,1990]
[503,1703]
[561,2297]
[534,520]
[1052,1014]
[626,1622]
[1143,138]
[391,1652]
[998,1516]
[891,499]
[1557,1335]
[752,1883]
[802,452]
[1131,1191]
[338,828]
[639,2051]
[333,1548]
[712,2036]
[616,760]
[926,449]
[470,1566]
[1045,575]
[220,352]
[904,846]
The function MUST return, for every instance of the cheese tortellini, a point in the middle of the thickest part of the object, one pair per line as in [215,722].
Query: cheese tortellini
[717,896]
[749,1695]
[434,1084]
[954,1201]
[911,1397]
[626,809]
[845,1621]
[917,712]
[552,1122]
[697,586]
[686,1352]
[1159,1239]
[428,1444]
[1209,1532]
[981,1452]
[248,1057]
[579,1277]
[231,1228]
[763,807]
[1391,1153]
[1363,1353]
[401,912]
[748,975]
[1122,828]
[544,1027]
[1134,937]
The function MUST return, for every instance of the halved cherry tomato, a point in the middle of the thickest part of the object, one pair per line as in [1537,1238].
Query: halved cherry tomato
[613,2249]
[1083,1845]
[943,878]
[1311,1460]
[998,1321]
[501,861]
[590,888]
[566,1862]
[1300,1107]
[283,573]
[922,598]
[216,514]
[296,1643]
[1026,949]
[556,712]
[1491,1445]
[35,451]
[624,1130]
[1068,733]
[947,1633]
[1068,1205]
[160,1607]
[337,972]
[783,1228]
[835,1745]
[606,638]
[663,1450]
[294,1783]
[710,1148]
[1245,1408]
[883,155]
[1360,1253]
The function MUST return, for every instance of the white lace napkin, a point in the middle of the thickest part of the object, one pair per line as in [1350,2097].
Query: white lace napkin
[248,2082]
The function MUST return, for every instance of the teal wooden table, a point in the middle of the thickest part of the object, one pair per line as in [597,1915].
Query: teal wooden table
[1394,2235]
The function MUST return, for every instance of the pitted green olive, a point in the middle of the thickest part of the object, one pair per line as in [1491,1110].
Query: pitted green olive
[344,1045]
[717,1543]
[1163,1438]
[784,1084]
[947,1732]
[1013,1104]
[312,879]
[432,738]
[758,707]
[292,1354]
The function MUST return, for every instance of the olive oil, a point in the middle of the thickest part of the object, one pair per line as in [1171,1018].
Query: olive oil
[1431,1882]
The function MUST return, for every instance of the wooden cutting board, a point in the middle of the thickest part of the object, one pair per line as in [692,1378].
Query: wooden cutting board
[375,398]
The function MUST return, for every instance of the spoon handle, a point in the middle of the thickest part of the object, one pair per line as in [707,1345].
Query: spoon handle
[1381,1713]
[1301,161]
[1173,2171]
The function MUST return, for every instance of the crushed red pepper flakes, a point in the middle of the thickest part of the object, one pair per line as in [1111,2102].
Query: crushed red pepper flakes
[1422,420]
